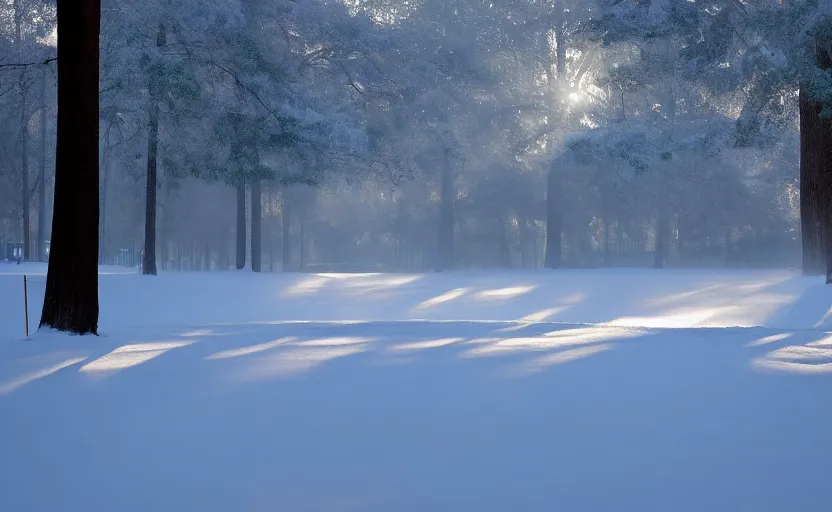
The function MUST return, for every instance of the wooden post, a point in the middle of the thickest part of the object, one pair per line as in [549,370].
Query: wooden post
[26,303]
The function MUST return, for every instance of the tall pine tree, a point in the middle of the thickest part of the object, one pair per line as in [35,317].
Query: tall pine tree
[71,300]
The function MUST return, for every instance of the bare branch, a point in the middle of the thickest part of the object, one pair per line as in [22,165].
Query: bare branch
[245,88]
[18,65]
[350,81]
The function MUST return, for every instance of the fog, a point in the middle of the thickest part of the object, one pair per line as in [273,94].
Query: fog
[421,135]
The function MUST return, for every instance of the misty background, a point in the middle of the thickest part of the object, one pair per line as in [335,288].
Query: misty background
[415,135]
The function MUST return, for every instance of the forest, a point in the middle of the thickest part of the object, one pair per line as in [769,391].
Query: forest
[416,135]
[415,255]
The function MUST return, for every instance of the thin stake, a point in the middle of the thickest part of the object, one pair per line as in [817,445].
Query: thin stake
[26,303]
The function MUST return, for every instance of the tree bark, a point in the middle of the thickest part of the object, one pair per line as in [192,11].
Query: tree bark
[286,224]
[149,258]
[42,181]
[523,232]
[71,299]
[24,171]
[149,254]
[662,232]
[606,258]
[302,244]
[557,85]
[105,154]
[271,253]
[24,136]
[256,226]
[680,246]
[823,58]
[811,137]
[505,249]
[241,226]
[816,176]
[552,258]
[826,223]
[446,218]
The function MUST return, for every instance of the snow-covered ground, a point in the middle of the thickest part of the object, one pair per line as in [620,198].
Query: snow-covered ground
[603,390]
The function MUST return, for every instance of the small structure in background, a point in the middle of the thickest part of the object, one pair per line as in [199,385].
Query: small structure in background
[11,251]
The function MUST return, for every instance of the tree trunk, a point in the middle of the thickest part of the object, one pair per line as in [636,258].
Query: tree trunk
[42,181]
[222,251]
[271,252]
[71,299]
[256,226]
[662,228]
[24,133]
[816,175]
[606,257]
[811,139]
[105,154]
[241,226]
[552,258]
[556,86]
[823,56]
[536,261]
[524,242]
[446,219]
[286,222]
[505,249]
[826,223]
[149,254]
[680,248]
[302,244]
[149,258]
[24,172]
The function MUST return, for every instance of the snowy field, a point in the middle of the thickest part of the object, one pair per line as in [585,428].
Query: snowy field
[602,390]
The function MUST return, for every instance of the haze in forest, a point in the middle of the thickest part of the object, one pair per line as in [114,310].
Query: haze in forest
[380,135]
[163,155]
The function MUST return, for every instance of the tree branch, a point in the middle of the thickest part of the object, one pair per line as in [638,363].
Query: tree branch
[18,65]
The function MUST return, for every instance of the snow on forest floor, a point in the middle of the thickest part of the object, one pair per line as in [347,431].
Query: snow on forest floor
[602,390]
